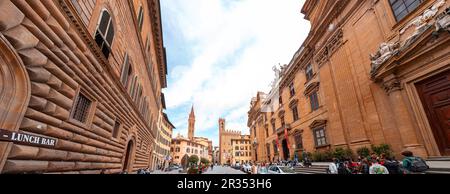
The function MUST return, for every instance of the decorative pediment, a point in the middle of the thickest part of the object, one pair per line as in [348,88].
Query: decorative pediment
[281,113]
[293,102]
[318,123]
[297,131]
[312,87]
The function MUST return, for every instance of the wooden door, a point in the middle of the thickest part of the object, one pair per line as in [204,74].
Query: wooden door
[435,96]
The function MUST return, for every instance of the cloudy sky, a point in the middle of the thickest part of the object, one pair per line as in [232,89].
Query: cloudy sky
[221,52]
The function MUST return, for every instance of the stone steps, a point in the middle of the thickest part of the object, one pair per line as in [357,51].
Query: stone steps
[311,170]
[438,159]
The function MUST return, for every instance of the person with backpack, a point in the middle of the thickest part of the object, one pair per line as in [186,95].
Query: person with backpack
[343,168]
[364,166]
[412,164]
[392,165]
[377,168]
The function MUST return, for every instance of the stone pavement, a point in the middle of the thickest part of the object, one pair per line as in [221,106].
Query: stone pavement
[216,170]
[223,170]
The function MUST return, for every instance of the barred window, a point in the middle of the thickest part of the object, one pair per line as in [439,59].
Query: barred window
[81,109]
[402,8]
[116,129]
[104,34]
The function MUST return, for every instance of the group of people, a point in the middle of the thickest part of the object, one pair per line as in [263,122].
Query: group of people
[144,171]
[379,164]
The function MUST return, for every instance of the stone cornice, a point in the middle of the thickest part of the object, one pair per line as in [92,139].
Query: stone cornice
[155,16]
[307,8]
[300,59]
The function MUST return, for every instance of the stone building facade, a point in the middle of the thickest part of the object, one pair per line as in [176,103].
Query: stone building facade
[215,155]
[86,75]
[164,139]
[182,146]
[369,72]
[208,144]
[225,146]
[200,146]
[241,150]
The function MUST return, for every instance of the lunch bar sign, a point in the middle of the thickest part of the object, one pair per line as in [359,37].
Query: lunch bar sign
[25,138]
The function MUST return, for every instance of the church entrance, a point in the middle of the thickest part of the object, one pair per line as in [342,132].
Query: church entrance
[435,96]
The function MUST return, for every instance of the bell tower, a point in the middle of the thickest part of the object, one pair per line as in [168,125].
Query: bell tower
[191,128]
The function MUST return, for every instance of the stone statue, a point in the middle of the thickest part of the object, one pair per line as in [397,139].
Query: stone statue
[277,72]
[421,21]
[443,21]
[386,51]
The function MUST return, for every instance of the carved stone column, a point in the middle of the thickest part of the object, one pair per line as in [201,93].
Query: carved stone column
[403,120]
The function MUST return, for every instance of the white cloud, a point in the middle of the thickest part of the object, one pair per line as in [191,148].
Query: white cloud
[234,45]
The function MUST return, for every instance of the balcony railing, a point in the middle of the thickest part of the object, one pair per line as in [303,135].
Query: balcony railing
[281,129]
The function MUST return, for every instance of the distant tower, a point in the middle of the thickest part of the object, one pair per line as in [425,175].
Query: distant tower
[221,131]
[221,124]
[191,124]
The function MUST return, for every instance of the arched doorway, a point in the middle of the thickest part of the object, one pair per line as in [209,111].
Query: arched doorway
[128,164]
[14,93]
[286,154]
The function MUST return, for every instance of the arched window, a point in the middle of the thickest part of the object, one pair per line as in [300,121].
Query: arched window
[104,35]
[140,18]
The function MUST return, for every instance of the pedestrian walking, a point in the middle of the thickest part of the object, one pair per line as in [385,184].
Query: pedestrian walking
[332,167]
[392,165]
[364,166]
[412,164]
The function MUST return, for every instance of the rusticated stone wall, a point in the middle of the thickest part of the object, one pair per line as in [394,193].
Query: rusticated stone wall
[61,60]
